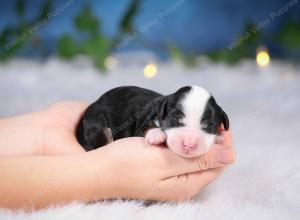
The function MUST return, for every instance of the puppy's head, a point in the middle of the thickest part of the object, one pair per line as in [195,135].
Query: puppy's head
[191,118]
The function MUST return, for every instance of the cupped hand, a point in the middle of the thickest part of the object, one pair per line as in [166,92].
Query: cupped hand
[137,169]
[127,168]
[143,171]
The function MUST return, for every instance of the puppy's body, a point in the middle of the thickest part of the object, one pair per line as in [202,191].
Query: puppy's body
[122,112]
[188,120]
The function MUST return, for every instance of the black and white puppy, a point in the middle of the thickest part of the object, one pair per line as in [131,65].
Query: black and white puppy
[188,121]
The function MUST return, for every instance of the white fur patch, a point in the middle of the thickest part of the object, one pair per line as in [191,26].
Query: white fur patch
[209,139]
[156,122]
[194,104]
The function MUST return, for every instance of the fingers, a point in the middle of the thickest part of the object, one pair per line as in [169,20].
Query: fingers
[198,180]
[71,110]
[227,138]
[188,185]
[217,156]
[65,114]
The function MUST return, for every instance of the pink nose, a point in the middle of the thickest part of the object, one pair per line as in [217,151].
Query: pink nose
[190,139]
[188,148]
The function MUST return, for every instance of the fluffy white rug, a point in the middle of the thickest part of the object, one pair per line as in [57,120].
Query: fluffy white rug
[263,105]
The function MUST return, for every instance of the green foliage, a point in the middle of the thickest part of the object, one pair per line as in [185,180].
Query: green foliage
[86,21]
[95,45]
[127,20]
[245,46]
[225,55]
[187,59]
[45,10]
[5,35]
[13,38]
[20,7]
[98,49]
[289,36]
[175,52]
[67,47]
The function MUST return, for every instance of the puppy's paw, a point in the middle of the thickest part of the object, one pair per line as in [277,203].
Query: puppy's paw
[155,136]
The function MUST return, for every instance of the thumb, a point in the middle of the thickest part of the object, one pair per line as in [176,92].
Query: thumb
[217,156]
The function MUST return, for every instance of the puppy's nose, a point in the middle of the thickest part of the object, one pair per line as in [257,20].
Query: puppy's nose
[189,146]
[190,142]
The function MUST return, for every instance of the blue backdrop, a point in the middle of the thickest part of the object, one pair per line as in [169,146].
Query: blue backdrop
[194,25]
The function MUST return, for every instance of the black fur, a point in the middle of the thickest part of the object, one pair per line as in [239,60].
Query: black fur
[213,117]
[129,111]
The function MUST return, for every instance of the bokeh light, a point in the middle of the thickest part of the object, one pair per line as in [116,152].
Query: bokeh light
[150,70]
[110,62]
[262,58]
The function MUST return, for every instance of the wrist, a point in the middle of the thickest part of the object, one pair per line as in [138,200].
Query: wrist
[105,184]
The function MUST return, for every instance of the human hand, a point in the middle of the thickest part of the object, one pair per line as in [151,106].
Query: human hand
[60,122]
[138,169]
[47,132]
[128,167]
[142,171]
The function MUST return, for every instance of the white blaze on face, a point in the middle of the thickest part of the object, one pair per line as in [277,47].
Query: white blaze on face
[194,104]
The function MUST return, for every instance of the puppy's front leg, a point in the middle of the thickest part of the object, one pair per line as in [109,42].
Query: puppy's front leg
[155,136]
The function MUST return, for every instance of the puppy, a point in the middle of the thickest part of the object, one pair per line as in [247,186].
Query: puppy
[188,121]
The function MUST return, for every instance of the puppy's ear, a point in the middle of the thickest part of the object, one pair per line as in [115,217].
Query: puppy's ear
[92,131]
[225,119]
[162,108]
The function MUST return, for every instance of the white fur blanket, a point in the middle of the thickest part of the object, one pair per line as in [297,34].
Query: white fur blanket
[263,106]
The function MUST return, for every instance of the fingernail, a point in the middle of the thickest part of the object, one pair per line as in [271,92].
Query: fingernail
[225,156]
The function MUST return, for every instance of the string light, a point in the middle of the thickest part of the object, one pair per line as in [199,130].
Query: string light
[262,57]
[150,70]
[110,62]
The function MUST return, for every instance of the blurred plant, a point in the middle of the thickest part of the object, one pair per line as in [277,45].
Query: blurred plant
[188,59]
[94,43]
[90,40]
[126,24]
[13,38]
[245,49]
[289,36]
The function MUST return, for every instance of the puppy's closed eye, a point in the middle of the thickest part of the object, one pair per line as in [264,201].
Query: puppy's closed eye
[210,125]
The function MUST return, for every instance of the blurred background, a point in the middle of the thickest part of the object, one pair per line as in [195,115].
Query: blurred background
[224,31]
[246,53]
